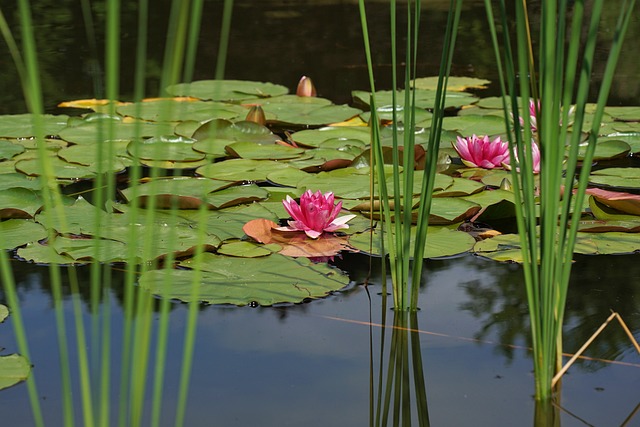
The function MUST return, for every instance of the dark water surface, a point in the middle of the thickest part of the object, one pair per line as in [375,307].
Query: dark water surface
[309,365]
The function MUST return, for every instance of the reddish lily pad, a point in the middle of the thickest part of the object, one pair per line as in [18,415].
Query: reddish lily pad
[295,244]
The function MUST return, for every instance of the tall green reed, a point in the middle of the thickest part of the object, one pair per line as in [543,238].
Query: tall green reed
[396,213]
[97,360]
[555,77]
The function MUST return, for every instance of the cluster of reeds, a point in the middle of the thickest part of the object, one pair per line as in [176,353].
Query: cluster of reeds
[397,211]
[554,80]
[141,367]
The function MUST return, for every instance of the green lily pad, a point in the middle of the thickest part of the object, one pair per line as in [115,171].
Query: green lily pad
[102,131]
[630,114]
[457,84]
[475,124]
[238,170]
[241,281]
[247,249]
[13,369]
[441,242]
[43,254]
[311,114]
[631,138]
[173,110]
[65,170]
[22,125]
[315,137]
[84,250]
[460,187]
[249,150]
[4,312]
[17,232]
[165,147]
[623,178]
[243,131]
[88,155]
[227,90]
[424,98]
[185,192]
[603,212]
[8,149]
[607,150]
[19,202]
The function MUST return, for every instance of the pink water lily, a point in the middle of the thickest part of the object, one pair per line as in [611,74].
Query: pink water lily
[535,152]
[476,152]
[315,214]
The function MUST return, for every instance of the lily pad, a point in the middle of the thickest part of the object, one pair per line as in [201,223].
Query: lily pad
[179,109]
[66,170]
[249,150]
[227,90]
[238,170]
[243,131]
[607,150]
[102,131]
[247,249]
[441,242]
[475,124]
[315,137]
[622,178]
[17,232]
[4,312]
[424,98]
[165,147]
[241,281]
[311,114]
[457,84]
[184,192]
[13,369]
[22,125]
[19,202]
[8,149]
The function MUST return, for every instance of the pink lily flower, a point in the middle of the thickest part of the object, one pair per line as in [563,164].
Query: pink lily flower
[535,152]
[315,214]
[476,152]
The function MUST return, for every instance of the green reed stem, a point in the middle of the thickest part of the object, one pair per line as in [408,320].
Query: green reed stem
[429,173]
[223,46]
[560,210]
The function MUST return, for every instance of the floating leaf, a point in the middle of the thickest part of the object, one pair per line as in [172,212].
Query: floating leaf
[603,212]
[607,150]
[4,312]
[457,84]
[311,114]
[17,232]
[179,109]
[13,369]
[475,124]
[243,131]
[441,242]
[622,178]
[66,170]
[87,249]
[423,98]
[165,147]
[8,149]
[102,131]
[43,254]
[250,150]
[88,155]
[19,203]
[22,125]
[623,202]
[295,244]
[239,281]
[182,192]
[238,170]
[227,90]
[315,137]
[247,249]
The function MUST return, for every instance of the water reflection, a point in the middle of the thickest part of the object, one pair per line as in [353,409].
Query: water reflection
[398,391]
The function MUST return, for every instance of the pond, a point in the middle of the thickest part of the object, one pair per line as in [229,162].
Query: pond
[318,363]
